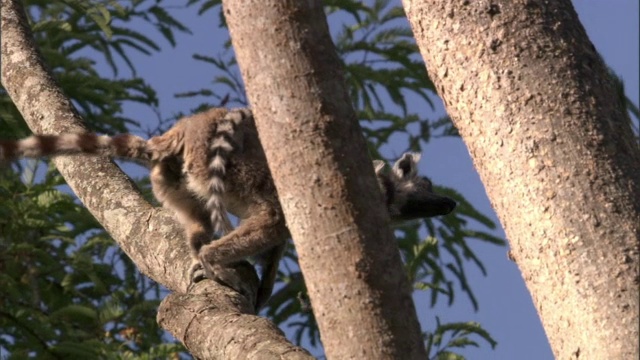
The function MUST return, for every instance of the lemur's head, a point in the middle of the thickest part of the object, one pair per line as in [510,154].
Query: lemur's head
[408,195]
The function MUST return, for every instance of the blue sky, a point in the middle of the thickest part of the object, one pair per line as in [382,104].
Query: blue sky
[506,310]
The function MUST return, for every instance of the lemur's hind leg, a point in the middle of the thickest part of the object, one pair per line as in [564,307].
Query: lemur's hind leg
[170,189]
[256,235]
[270,261]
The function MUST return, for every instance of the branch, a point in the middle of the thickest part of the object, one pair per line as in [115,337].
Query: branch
[359,291]
[149,236]
[211,328]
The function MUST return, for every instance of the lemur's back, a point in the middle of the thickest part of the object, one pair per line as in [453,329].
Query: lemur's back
[248,180]
[223,157]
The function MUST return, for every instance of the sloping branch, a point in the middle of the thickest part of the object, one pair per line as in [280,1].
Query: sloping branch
[216,330]
[101,186]
[149,236]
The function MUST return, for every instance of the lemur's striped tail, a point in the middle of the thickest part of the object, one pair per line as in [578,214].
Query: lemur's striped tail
[226,140]
[124,145]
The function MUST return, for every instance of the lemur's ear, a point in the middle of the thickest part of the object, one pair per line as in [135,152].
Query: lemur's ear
[407,165]
[378,166]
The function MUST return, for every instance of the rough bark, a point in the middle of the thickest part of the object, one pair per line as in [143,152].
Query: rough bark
[318,158]
[211,327]
[149,236]
[535,105]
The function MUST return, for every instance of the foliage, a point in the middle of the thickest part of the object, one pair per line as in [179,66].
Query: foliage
[62,297]
[68,290]
[457,335]
[625,104]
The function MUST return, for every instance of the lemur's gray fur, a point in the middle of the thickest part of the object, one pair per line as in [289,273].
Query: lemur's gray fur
[212,162]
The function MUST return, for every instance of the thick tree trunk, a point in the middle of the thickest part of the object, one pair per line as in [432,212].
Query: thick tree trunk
[205,316]
[325,181]
[542,121]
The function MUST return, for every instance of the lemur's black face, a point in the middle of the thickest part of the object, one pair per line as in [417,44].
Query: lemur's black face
[410,196]
[422,202]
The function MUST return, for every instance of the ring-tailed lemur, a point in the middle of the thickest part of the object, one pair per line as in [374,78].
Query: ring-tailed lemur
[212,162]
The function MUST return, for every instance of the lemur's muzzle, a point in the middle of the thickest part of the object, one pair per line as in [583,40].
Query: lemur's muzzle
[428,205]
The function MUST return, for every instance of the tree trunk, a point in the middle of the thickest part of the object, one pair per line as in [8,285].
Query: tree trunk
[539,113]
[317,154]
[205,316]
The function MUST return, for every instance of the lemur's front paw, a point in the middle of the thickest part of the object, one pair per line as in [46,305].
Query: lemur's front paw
[224,275]
[197,272]
[240,276]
